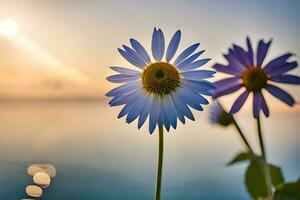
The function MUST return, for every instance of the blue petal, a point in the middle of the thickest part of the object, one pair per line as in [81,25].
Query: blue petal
[262,51]
[280,94]
[123,89]
[173,45]
[124,99]
[130,106]
[198,74]
[154,114]
[179,113]
[202,87]
[158,44]
[192,99]
[145,112]
[182,106]
[171,111]
[125,71]
[290,79]
[195,65]
[137,110]
[190,59]
[134,55]
[140,50]
[121,78]
[239,102]
[186,53]
[131,59]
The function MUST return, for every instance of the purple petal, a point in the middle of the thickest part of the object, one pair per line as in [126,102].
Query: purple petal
[227,69]
[234,62]
[250,51]
[241,55]
[264,106]
[262,50]
[256,104]
[280,94]
[227,82]
[277,63]
[290,79]
[239,102]
[226,90]
[283,68]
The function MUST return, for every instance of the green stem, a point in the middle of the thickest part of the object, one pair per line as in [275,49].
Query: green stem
[160,163]
[266,170]
[243,136]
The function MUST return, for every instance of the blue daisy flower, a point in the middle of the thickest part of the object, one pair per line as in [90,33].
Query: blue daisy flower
[160,89]
[218,115]
[254,77]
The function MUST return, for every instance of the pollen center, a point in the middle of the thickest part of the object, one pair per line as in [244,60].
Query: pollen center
[254,79]
[160,78]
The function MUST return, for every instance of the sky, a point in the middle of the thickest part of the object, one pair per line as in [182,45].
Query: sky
[63,48]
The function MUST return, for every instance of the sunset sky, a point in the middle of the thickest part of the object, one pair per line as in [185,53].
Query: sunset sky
[64,48]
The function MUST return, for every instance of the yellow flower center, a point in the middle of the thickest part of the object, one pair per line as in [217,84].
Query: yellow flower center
[254,79]
[160,78]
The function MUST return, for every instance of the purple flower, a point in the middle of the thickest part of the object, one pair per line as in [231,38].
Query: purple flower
[253,76]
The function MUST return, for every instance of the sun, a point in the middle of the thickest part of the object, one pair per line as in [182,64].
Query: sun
[9,27]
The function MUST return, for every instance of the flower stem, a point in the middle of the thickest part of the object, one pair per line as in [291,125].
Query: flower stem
[160,163]
[243,137]
[266,170]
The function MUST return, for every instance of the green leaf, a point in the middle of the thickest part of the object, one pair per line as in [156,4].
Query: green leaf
[240,157]
[276,176]
[288,191]
[255,180]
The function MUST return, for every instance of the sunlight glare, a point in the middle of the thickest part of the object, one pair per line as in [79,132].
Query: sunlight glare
[9,27]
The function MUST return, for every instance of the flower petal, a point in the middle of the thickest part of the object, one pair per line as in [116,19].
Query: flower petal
[158,44]
[171,110]
[280,94]
[125,71]
[241,55]
[290,79]
[264,106]
[132,59]
[226,90]
[250,52]
[277,63]
[145,112]
[256,104]
[154,114]
[226,82]
[262,51]
[188,51]
[239,102]
[140,50]
[182,106]
[190,59]
[195,65]
[123,89]
[227,69]
[121,78]
[198,74]
[202,87]
[173,46]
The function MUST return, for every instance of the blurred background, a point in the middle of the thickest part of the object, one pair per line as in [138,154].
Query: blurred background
[54,58]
